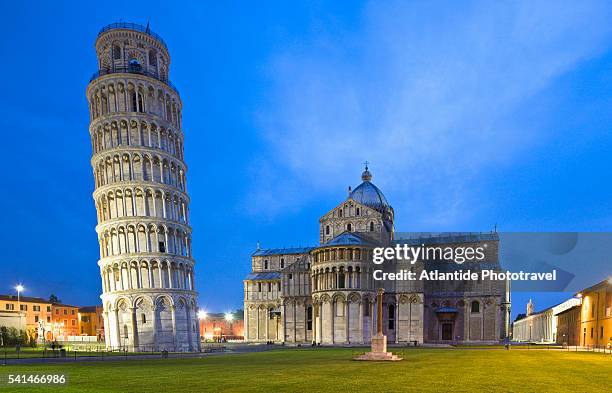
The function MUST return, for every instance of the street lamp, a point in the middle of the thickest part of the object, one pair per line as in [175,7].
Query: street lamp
[229,317]
[19,288]
[202,314]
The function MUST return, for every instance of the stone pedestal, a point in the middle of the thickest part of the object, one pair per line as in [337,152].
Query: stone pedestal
[379,341]
[379,351]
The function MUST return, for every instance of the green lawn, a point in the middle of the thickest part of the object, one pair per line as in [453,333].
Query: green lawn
[332,370]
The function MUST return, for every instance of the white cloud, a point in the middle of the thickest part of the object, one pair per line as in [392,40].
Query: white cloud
[427,92]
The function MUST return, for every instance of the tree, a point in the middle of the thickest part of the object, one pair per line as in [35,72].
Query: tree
[54,299]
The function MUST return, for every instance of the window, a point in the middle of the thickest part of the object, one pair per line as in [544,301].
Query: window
[366,307]
[36,308]
[48,308]
[391,310]
[162,247]
[290,276]
[601,332]
[278,286]
[269,287]
[85,318]
[266,264]
[357,211]
[65,322]
[141,107]
[327,229]
[36,318]
[340,213]
[475,307]
[258,287]
[152,58]
[57,312]
[349,227]
[133,96]
[23,307]
[116,52]
[74,322]
[371,226]
[341,280]
[282,263]
[65,312]
[309,318]
[144,318]
[125,331]
[134,66]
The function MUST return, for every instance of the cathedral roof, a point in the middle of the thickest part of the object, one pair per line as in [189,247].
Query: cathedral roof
[368,194]
[263,276]
[349,239]
[282,251]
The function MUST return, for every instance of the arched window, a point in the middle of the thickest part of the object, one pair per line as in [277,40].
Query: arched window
[141,107]
[357,211]
[282,263]
[116,52]
[371,226]
[266,264]
[134,66]
[349,227]
[309,318]
[340,213]
[152,58]
[327,229]
[134,104]
[341,280]
[475,306]
[391,310]
[144,318]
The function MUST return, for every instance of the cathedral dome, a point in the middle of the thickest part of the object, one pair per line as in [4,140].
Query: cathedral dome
[368,194]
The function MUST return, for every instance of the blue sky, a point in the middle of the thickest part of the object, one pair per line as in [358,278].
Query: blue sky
[472,114]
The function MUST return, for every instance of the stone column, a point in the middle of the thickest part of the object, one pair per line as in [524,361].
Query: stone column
[360,321]
[173,308]
[332,319]
[397,321]
[257,320]
[379,319]
[347,322]
[246,323]
[134,329]
[267,316]
[117,327]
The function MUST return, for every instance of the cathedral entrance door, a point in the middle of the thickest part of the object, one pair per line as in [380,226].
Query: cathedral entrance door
[447,331]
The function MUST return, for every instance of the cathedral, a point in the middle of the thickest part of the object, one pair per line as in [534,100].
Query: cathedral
[326,294]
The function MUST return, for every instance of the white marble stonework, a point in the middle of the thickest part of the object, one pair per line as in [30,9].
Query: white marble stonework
[142,205]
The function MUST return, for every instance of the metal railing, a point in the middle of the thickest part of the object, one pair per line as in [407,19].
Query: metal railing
[133,26]
[133,69]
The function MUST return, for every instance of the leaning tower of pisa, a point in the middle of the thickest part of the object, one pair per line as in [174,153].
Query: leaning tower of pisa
[146,265]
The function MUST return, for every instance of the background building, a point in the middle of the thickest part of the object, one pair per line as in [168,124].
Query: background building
[543,326]
[34,309]
[141,200]
[326,294]
[222,326]
[91,322]
[65,322]
[596,315]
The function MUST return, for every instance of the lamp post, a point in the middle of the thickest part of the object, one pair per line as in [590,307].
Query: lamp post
[229,317]
[202,315]
[19,288]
